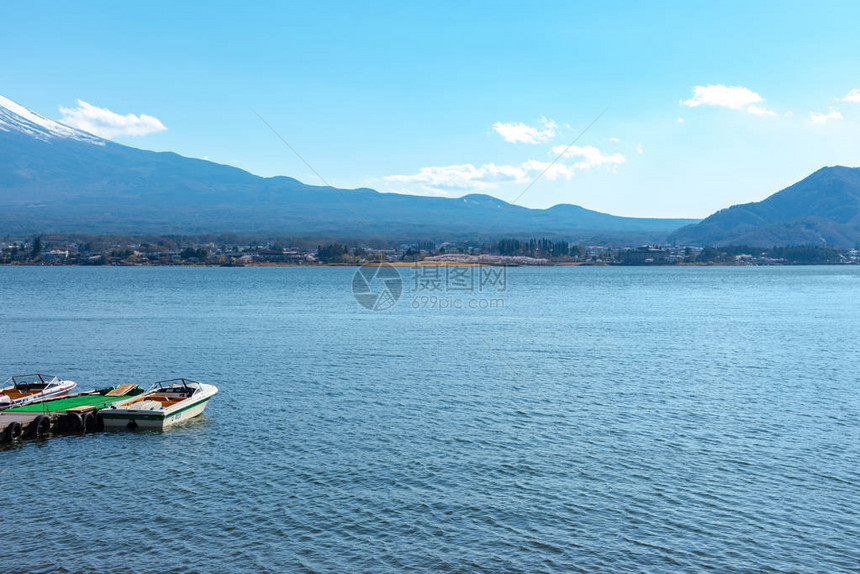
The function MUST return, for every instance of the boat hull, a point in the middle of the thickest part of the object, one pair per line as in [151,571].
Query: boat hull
[125,418]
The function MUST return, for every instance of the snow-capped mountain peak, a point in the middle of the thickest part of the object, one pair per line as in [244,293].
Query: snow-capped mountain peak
[16,118]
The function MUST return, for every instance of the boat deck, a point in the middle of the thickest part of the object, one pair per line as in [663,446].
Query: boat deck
[15,394]
[165,400]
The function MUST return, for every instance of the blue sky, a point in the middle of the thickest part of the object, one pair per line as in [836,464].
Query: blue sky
[455,98]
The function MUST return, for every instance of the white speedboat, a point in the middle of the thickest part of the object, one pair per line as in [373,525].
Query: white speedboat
[22,389]
[164,404]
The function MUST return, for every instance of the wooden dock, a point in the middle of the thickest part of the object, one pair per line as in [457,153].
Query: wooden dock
[75,414]
[15,426]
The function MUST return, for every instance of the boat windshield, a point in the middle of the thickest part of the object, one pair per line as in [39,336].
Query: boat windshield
[183,387]
[30,382]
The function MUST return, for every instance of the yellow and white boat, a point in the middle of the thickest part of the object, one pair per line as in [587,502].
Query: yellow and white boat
[165,404]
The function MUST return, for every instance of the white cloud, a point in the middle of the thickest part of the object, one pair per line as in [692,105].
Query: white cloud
[852,96]
[614,140]
[761,111]
[639,149]
[107,124]
[452,179]
[553,171]
[522,133]
[589,156]
[819,118]
[732,97]
[680,120]
[463,177]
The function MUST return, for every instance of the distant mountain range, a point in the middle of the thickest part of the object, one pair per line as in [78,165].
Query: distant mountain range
[823,209]
[57,179]
[54,178]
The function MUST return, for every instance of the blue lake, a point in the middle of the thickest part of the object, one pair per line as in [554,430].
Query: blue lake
[589,419]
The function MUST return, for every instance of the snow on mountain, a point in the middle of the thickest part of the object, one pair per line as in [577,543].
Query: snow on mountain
[16,118]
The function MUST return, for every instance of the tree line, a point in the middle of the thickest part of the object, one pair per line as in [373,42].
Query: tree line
[538,248]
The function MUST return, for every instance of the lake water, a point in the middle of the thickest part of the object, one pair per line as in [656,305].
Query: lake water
[593,419]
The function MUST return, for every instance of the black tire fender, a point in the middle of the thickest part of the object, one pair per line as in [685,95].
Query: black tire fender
[88,422]
[40,426]
[73,423]
[13,431]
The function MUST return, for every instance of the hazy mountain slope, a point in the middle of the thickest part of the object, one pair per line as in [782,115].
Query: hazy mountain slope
[822,209]
[54,178]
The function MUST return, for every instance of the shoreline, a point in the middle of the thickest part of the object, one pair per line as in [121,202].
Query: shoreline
[442,264]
